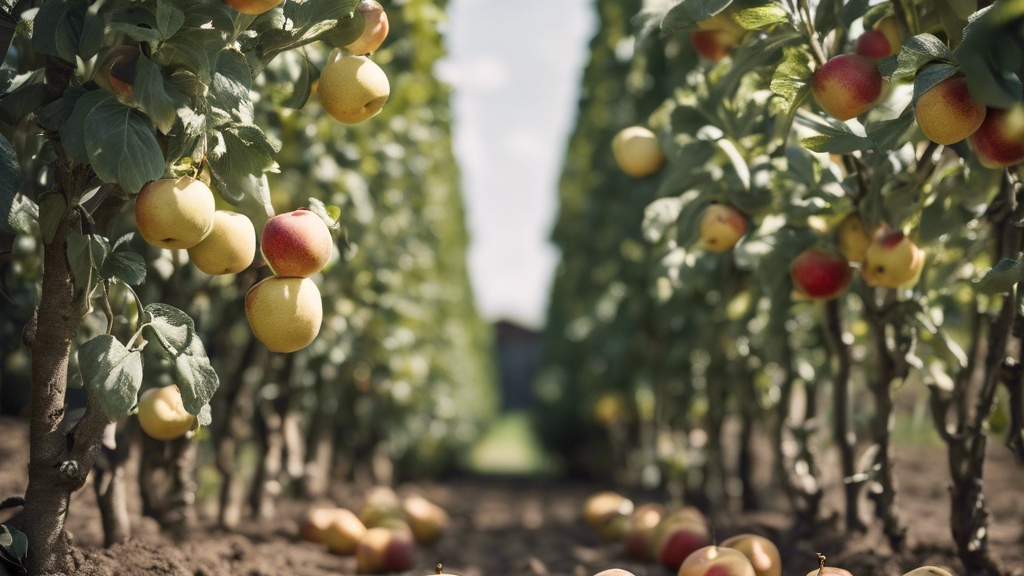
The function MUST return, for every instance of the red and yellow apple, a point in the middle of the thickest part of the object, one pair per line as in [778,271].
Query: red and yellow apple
[891,28]
[375,31]
[252,7]
[381,504]
[761,552]
[296,244]
[999,141]
[640,530]
[948,113]
[116,72]
[714,45]
[678,535]
[722,227]
[716,561]
[385,550]
[313,524]
[847,86]
[893,261]
[874,44]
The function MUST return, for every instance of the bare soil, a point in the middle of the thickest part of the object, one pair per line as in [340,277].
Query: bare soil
[507,528]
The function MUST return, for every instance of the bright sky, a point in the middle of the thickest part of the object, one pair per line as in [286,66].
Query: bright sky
[516,66]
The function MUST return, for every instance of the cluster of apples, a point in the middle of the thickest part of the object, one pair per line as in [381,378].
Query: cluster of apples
[162,414]
[285,311]
[352,88]
[718,36]
[849,85]
[180,214]
[887,259]
[383,536]
[678,540]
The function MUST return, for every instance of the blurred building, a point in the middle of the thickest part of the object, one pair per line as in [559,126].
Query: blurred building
[519,360]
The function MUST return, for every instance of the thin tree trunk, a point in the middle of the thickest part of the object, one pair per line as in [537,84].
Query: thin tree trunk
[843,432]
[111,487]
[270,437]
[59,462]
[239,413]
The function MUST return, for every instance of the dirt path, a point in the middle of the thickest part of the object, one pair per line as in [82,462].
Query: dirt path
[508,528]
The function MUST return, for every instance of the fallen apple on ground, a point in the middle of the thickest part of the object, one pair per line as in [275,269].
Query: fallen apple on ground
[314,522]
[640,530]
[680,534]
[761,552]
[929,571]
[343,532]
[385,550]
[614,572]
[381,503]
[607,513]
[425,518]
[716,561]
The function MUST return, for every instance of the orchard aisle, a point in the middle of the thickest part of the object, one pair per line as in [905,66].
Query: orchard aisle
[510,528]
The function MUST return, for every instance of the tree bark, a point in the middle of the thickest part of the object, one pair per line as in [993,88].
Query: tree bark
[843,433]
[59,462]
[111,488]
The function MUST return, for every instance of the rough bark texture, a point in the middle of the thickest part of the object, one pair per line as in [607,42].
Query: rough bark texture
[59,461]
[167,483]
[238,412]
[111,487]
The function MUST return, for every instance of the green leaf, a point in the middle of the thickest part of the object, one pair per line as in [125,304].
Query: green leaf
[85,256]
[1002,277]
[57,28]
[121,145]
[52,208]
[176,333]
[26,95]
[168,18]
[300,23]
[686,14]
[851,11]
[10,181]
[128,267]
[791,81]
[92,36]
[112,373]
[760,17]
[13,546]
[238,161]
[139,23]
[156,96]
[660,215]
[72,131]
[56,113]
[930,76]
[836,143]
[891,134]
[917,52]
[991,57]
[345,32]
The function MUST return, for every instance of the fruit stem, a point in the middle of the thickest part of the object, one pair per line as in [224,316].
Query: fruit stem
[438,567]
[821,563]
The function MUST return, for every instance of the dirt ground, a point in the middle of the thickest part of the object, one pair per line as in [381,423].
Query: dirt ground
[511,528]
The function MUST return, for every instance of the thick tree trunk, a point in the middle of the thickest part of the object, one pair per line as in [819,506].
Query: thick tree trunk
[167,484]
[111,487]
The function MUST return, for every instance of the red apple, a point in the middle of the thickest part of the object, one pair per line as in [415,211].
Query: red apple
[678,535]
[999,141]
[820,274]
[715,561]
[385,550]
[296,244]
[874,44]
[847,86]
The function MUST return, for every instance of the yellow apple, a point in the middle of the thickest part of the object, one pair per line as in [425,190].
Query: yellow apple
[229,248]
[352,88]
[722,227]
[637,152]
[284,313]
[175,214]
[162,414]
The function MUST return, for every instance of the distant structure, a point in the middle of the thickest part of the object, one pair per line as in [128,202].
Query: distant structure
[519,360]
